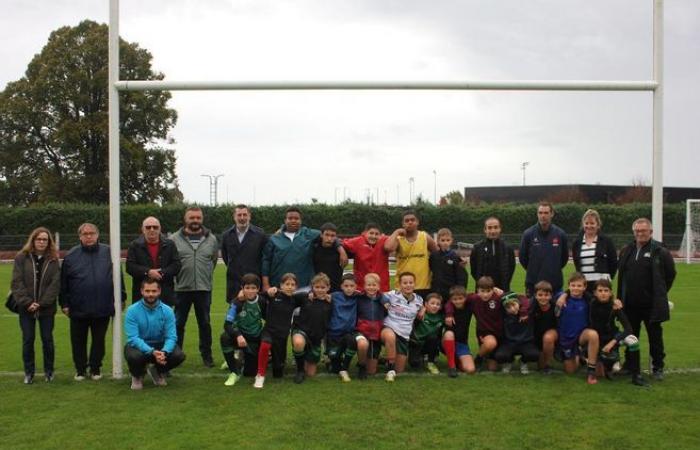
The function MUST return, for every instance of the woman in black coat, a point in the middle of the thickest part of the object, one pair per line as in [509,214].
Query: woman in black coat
[594,253]
[36,279]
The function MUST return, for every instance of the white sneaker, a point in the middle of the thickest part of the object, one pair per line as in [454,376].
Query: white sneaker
[79,377]
[231,380]
[505,368]
[259,382]
[616,367]
[523,368]
[390,376]
[432,368]
[136,383]
[344,376]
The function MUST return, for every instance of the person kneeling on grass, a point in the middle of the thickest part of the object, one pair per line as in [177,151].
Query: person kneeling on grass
[341,342]
[370,318]
[151,337]
[455,341]
[242,328]
[278,321]
[544,324]
[403,306]
[573,312]
[518,338]
[310,327]
[425,338]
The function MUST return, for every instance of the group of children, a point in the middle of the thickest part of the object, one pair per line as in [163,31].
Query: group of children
[576,328]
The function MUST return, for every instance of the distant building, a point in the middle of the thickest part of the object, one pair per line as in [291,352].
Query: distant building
[562,193]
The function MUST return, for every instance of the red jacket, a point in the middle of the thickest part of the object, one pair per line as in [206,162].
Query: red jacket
[369,259]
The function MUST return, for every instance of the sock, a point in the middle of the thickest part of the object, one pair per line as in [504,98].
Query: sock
[449,347]
[389,365]
[347,359]
[263,355]
[590,368]
[231,361]
[299,359]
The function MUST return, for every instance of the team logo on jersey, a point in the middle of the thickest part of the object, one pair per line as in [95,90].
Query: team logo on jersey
[492,304]
[243,313]
[555,242]
[450,262]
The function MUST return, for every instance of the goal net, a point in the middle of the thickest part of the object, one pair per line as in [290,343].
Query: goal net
[690,246]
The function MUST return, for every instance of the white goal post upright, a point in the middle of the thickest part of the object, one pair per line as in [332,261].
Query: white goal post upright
[115,85]
[692,230]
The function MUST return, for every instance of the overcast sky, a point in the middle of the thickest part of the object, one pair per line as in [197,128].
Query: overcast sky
[285,147]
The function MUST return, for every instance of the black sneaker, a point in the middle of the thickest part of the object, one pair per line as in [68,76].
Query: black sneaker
[208,362]
[362,372]
[452,372]
[48,377]
[546,370]
[299,377]
[658,374]
[638,380]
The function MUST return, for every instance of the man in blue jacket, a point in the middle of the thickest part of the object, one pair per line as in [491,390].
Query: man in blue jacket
[151,337]
[544,251]
[87,298]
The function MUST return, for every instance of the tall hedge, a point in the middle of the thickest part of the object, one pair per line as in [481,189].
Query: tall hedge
[350,218]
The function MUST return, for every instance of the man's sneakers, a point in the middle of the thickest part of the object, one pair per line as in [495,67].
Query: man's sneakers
[136,383]
[231,380]
[658,374]
[505,368]
[28,378]
[208,362]
[95,374]
[80,376]
[157,377]
[638,380]
[432,368]
[390,376]
[299,377]
[344,376]
[48,377]
[362,372]
[452,372]
[259,382]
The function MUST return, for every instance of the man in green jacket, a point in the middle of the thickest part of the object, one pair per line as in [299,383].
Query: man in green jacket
[198,249]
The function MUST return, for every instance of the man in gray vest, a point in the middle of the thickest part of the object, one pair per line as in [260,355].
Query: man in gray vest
[198,249]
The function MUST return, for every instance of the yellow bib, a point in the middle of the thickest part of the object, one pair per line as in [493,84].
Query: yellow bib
[414,257]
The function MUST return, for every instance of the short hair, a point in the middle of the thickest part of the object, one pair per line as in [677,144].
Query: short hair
[292,209]
[241,206]
[592,213]
[87,224]
[349,276]
[149,280]
[193,208]
[485,283]
[458,291]
[250,278]
[373,277]
[444,232]
[545,286]
[328,226]
[546,204]
[289,276]
[320,278]
[603,282]
[642,220]
[493,218]
[406,274]
[433,295]
[371,225]
[576,276]
[409,212]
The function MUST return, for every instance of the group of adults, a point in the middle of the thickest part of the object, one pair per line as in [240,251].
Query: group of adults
[173,274]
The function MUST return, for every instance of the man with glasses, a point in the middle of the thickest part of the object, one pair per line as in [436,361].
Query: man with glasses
[154,256]
[87,298]
[646,274]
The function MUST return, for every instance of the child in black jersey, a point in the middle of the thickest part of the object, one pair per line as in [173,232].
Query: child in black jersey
[544,324]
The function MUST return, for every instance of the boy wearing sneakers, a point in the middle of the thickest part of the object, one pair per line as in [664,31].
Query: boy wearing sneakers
[341,343]
[278,320]
[403,306]
[425,338]
[310,327]
[573,329]
[518,338]
[544,324]
[242,329]
[370,319]
[455,341]
[446,266]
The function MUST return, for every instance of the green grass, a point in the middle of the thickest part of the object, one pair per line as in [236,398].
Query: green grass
[483,411]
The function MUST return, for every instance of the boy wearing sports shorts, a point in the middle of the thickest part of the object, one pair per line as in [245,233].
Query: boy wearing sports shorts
[370,319]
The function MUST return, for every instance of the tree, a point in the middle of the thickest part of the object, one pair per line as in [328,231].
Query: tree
[452,198]
[53,126]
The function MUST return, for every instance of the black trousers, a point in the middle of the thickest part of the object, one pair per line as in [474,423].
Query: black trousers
[505,353]
[79,328]
[430,347]
[278,350]
[202,305]
[27,323]
[229,345]
[655,334]
[138,361]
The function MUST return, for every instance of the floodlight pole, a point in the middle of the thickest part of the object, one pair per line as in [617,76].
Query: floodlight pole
[114,213]
[657,186]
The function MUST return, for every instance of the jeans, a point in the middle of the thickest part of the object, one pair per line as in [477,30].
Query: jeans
[138,361]
[27,323]
[79,328]
[202,304]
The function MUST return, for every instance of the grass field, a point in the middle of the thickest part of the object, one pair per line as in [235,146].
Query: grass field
[482,411]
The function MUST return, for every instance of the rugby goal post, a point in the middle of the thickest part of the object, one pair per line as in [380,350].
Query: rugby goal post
[690,244]
[655,85]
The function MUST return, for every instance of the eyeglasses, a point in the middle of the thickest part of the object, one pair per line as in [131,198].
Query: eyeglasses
[151,227]
[88,233]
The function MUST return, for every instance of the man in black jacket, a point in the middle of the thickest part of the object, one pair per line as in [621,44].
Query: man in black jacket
[87,298]
[492,257]
[241,250]
[153,256]
[646,274]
